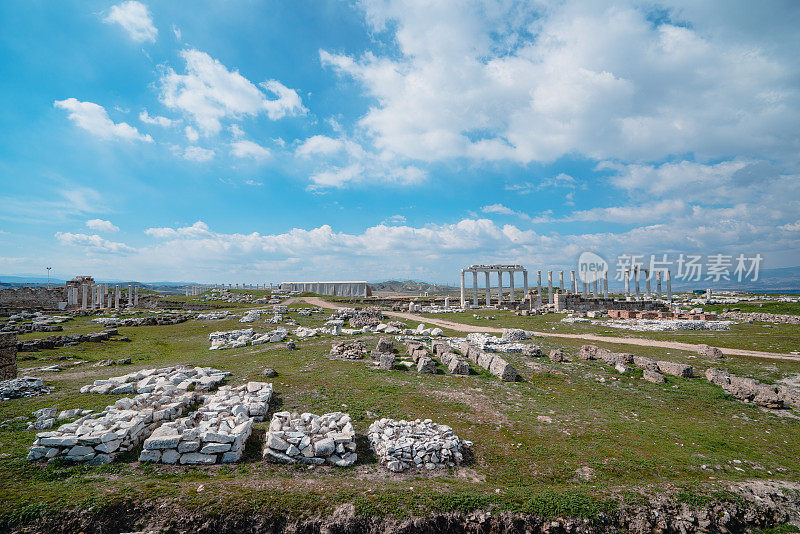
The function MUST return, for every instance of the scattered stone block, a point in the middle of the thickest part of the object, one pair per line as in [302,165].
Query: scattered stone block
[710,352]
[654,376]
[680,370]
[556,356]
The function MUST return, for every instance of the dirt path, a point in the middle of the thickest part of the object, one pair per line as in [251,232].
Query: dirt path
[642,342]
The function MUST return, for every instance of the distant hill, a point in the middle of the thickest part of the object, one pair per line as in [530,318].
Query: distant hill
[408,286]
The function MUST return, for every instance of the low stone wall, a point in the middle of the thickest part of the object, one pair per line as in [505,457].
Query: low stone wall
[311,439]
[33,298]
[489,361]
[8,355]
[179,378]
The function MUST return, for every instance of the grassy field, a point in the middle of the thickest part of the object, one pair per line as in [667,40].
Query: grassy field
[531,437]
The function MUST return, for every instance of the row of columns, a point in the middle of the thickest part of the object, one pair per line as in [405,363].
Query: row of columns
[647,277]
[488,292]
[97,296]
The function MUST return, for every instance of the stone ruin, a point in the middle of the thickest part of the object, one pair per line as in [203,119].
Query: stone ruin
[8,355]
[311,439]
[168,379]
[121,427]
[493,363]
[654,371]
[214,315]
[422,359]
[454,362]
[216,432]
[233,339]
[753,391]
[27,386]
[384,354]
[401,445]
[348,350]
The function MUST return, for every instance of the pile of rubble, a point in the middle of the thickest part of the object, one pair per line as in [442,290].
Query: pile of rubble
[348,350]
[69,340]
[454,362]
[216,432]
[233,339]
[761,317]
[401,445]
[251,316]
[311,439]
[489,361]
[384,354]
[121,427]
[159,320]
[27,386]
[214,315]
[167,379]
[366,317]
[422,359]
[490,343]
[47,417]
[751,390]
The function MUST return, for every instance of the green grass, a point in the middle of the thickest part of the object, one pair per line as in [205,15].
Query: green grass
[639,438]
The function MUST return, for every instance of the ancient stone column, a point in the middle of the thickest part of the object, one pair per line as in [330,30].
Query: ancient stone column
[499,287]
[561,280]
[636,280]
[627,284]
[539,282]
[658,285]
[475,287]
[511,284]
[538,300]
[83,297]
[130,296]
[572,287]
[93,297]
[463,297]
[116,297]
[488,289]
[136,296]
[585,290]
[550,287]
[187,291]
[605,284]
[669,286]
[447,302]
[647,284]
[596,293]
[525,283]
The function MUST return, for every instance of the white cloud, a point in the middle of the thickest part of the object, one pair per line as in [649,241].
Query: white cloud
[535,82]
[248,149]
[210,93]
[199,154]
[791,227]
[135,19]
[160,121]
[191,134]
[319,144]
[253,183]
[100,225]
[94,119]
[93,243]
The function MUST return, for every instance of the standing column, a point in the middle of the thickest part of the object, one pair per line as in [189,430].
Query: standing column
[93,297]
[539,282]
[525,283]
[136,296]
[550,298]
[573,287]
[463,299]
[658,285]
[561,280]
[83,297]
[596,293]
[647,283]
[585,290]
[116,297]
[511,283]
[627,284]
[669,286]
[605,284]
[488,289]
[499,287]
[636,281]
[475,287]
[130,295]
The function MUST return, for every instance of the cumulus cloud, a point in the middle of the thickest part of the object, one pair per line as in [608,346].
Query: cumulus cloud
[93,243]
[100,225]
[157,120]
[209,93]
[248,149]
[533,82]
[134,17]
[94,119]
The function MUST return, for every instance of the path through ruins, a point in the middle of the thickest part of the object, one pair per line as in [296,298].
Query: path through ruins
[642,342]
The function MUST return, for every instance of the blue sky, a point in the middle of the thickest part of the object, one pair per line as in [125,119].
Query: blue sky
[258,141]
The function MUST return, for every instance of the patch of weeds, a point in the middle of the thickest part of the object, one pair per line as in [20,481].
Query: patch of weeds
[463,502]
[634,498]
[690,496]
[568,504]
[786,528]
